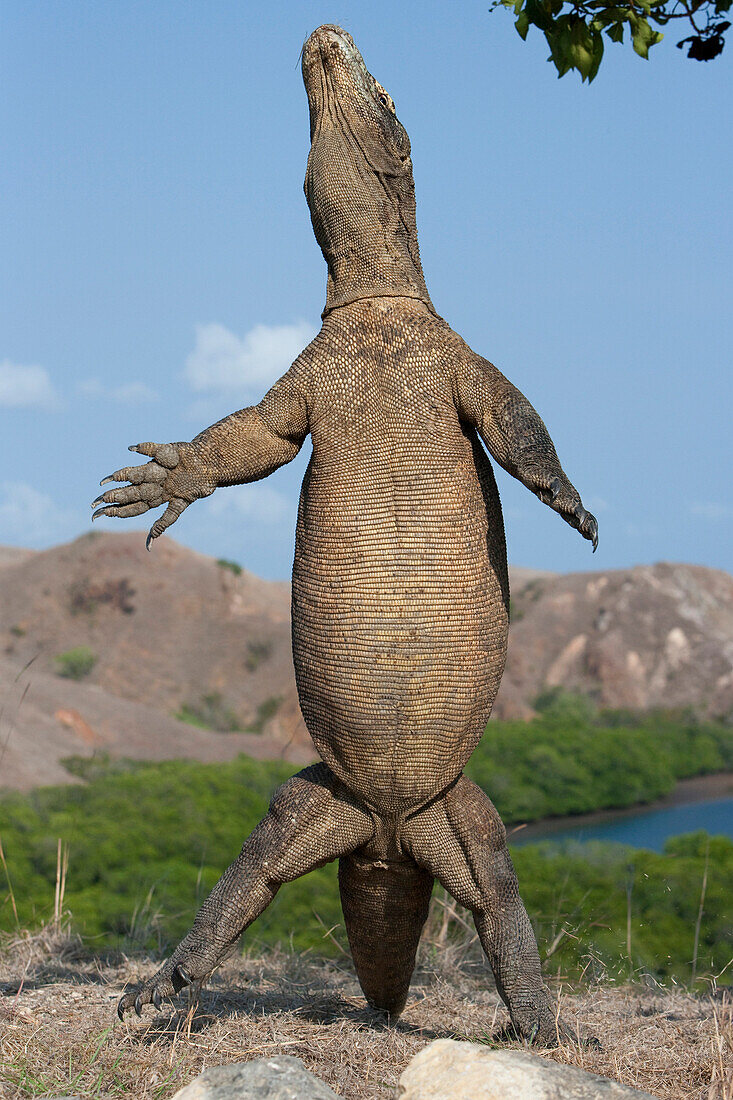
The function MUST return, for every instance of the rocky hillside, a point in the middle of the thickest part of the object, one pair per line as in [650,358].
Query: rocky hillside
[116,643]
[653,636]
[106,647]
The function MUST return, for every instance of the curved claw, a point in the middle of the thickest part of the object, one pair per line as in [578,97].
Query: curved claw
[139,1004]
[100,511]
[157,999]
[149,472]
[588,527]
[594,536]
[176,508]
[109,477]
[165,454]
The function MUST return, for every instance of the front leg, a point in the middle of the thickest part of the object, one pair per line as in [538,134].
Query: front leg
[243,447]
[517,438]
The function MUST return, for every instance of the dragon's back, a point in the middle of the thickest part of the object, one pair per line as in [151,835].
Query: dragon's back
[399,583]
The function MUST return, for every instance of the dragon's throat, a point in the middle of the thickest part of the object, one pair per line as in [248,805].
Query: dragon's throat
[369,241]
[380,262]
[372,258]
[339,292]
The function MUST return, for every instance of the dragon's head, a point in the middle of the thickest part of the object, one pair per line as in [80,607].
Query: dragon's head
[358,182]
[343,94]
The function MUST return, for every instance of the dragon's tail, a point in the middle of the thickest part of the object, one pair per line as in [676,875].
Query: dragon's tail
[385,906]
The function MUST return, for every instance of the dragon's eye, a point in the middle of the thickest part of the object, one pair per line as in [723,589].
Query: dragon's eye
[384,97]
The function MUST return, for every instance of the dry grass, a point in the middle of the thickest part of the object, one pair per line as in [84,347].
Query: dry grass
[59,1033]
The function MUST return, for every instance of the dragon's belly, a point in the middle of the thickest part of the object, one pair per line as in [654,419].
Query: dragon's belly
[399,626]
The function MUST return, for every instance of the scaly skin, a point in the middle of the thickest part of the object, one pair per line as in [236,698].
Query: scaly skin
[400,589]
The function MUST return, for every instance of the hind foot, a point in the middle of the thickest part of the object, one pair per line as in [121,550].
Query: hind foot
[461,840]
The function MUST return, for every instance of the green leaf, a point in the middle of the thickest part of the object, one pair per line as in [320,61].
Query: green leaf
[582,59]
[616,32]
[597,55]
[558,41]
[538,15]
[642,35]
[580,49]
[518,6]
[522,24]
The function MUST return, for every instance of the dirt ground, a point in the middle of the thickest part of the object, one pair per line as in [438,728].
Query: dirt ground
[59,1033]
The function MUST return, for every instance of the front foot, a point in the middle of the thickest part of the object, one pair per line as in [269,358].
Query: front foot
[187,964]
[565,500]
[166,983]
[175,476]
[540,1026]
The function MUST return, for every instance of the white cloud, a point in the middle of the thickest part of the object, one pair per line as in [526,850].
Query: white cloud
[254,502]
[25,386]
[711,509]
[223,361]
[29,516]
[133,393]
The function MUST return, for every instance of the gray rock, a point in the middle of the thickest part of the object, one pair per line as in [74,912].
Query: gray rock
[449,1070]
[278,1078]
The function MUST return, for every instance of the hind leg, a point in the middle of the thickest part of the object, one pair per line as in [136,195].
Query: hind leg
[385,904]
[461,840]
[311,821]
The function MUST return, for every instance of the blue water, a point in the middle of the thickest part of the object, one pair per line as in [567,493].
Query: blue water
[650,828]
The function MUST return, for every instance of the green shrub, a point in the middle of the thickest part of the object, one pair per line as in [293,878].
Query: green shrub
[210,713]
[76,663]
[265,711]
[233,566]
[599,893]
[573,759]
[257,652]
[171,828]
[154,838]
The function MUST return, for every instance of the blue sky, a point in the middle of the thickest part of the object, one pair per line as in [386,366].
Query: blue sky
[160,270]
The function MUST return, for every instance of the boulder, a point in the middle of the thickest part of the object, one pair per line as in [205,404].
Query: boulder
[450,1070]
[278,1078]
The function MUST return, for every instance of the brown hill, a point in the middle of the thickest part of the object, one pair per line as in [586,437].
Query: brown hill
[171,632]
[652,636]
[176,633]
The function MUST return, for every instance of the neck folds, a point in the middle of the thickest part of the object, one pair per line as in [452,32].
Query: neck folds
[364,221]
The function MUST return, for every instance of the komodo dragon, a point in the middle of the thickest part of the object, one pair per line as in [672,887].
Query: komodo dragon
[400,590]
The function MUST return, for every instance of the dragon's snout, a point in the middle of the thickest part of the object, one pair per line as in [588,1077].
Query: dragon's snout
[328,39]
